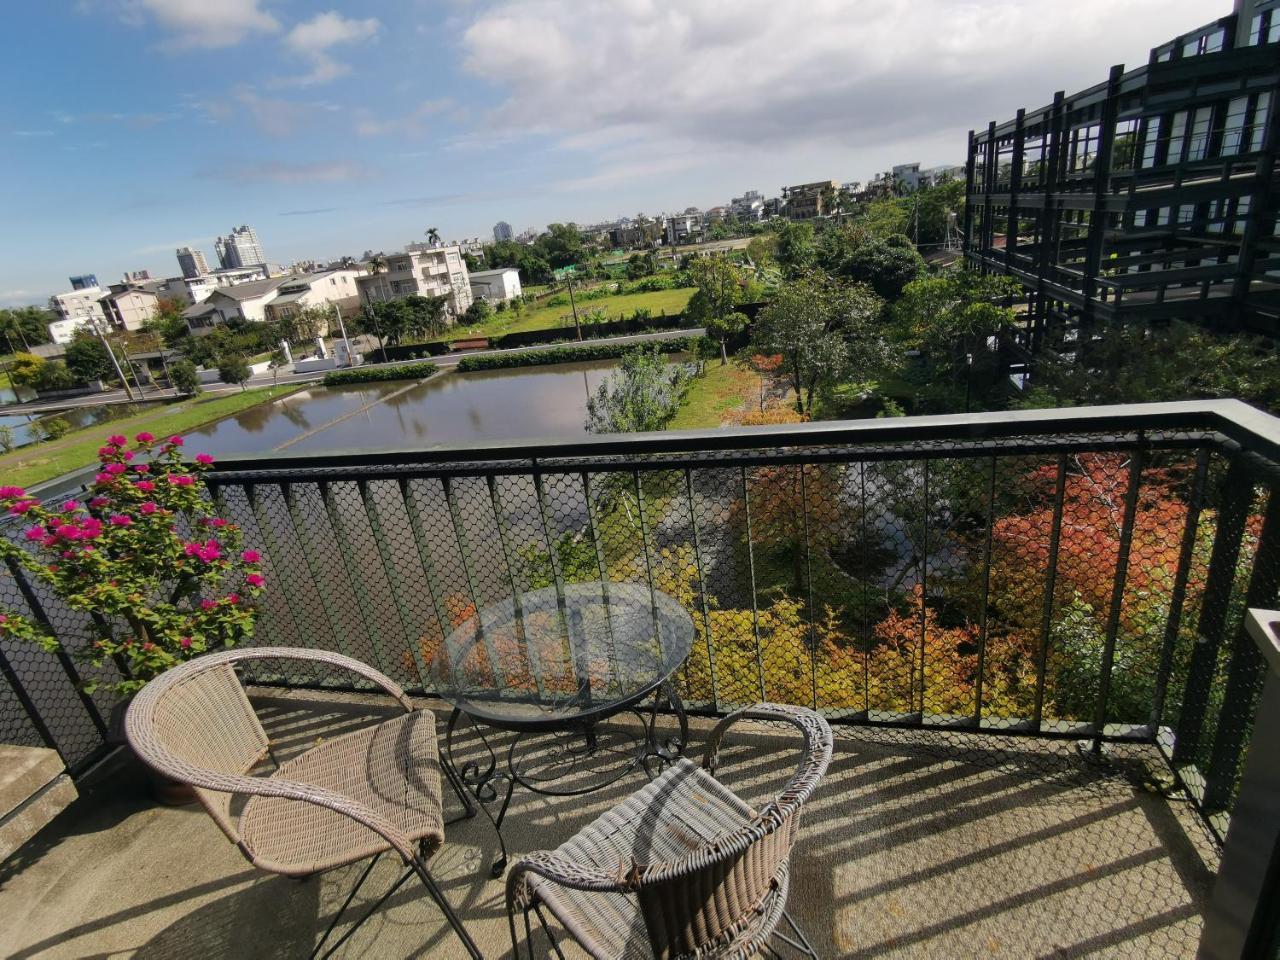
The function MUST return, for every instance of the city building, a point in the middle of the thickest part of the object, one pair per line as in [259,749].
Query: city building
[748,208]
[128,306]
[240,248]
[86,281]
[495,285]
[1146,197]
[192,262]
[326,288]
[502,231]
[136,276]
[805,201]
[439,271]
[935,175]
[685,227]
[627,233]
[73,310]
[907,175]
[244,301]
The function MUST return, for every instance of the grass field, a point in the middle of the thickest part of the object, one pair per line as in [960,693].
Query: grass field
[44,461]
[541,318]
[715,394]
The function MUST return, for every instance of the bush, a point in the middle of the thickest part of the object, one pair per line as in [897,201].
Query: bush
[184,378]
[234,370]
[567,354]
[89,360]
[54,375]
[401,371]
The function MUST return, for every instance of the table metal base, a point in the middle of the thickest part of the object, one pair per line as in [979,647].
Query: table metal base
[553,763]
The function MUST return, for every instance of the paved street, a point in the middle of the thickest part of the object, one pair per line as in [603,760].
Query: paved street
[287,376]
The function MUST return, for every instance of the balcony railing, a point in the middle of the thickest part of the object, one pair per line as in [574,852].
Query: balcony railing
[1080,575]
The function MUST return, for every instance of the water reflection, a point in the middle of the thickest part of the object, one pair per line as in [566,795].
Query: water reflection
[534,402]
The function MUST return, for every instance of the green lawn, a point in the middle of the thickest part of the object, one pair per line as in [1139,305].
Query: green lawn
[44,461]
[720,390]
[670,302]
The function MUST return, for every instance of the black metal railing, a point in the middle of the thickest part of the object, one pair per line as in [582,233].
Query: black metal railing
[1070,574]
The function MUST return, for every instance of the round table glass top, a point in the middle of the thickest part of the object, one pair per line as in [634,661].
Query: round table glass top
[543,660]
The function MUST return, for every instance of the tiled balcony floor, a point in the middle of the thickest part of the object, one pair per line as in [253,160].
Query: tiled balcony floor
[916,845]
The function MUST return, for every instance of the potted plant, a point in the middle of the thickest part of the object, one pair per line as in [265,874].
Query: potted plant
[161,576]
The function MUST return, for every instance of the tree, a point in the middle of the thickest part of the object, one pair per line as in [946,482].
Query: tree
[26,369]
[888,264]
[8,441]
[25,326]
[720,286]
[87,359]
[305,324]
[167,322]
[824,330]
[643,394]
[795,249]
[51,428]
[277,360]
[433,236]
[479,311]
[184,378]
[234,370]
[425,316]
[366,321]
[377,263]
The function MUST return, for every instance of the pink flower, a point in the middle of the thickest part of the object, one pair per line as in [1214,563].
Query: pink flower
[148,646]
[67,554]
[204,458]
[181,480]
[251,556]
[148,508]
[142,467]
[233,598]
[176,440]
[34,533]
[21,507]
[127,454]
[191,549]
[211,551]
[68,531]
[117,440]
[115,469]
[255,580]
[144,437]
[120,520]
[185,643]
[69,506]
[103,478]
[3,619]
[11,493]
[218,522]
[99,502]
[146,486]
[208,604]
[106,452]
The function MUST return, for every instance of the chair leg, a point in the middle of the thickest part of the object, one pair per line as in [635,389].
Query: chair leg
[442,901]
[369,913]
[800,944]
[546,930]
[346,903]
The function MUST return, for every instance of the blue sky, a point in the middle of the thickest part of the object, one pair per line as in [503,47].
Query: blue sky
[132,126]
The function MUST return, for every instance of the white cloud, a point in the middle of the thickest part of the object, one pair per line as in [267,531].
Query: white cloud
[204,23]
[412,122]
[760,81]
[313,39]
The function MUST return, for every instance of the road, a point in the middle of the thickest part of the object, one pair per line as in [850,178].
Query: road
[287,377]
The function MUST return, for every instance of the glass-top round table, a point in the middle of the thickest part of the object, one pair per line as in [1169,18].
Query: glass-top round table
[549,665]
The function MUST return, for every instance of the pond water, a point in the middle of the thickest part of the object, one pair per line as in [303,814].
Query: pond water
[521,403]
[20,423]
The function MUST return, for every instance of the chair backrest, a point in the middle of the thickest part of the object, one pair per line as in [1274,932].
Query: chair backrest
[714,893]
[196,719]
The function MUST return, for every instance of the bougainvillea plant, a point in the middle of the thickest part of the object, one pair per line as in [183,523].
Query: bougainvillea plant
[162,578]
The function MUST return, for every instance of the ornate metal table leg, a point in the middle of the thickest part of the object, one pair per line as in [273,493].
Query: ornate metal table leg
[666,750]
[485,784]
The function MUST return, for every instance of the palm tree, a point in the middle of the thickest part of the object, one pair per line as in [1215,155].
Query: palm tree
[377,263]
[433,236]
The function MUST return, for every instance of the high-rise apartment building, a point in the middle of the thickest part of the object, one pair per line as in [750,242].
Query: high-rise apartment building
[502,231]
[240,248]
[85,281]
[192,262]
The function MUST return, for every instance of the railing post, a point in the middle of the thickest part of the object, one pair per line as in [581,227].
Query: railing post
[1241,920]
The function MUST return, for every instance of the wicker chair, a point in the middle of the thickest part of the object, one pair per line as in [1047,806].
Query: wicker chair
[683,868]
[359,795]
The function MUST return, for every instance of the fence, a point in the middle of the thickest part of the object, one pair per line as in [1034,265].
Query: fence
[1071,574]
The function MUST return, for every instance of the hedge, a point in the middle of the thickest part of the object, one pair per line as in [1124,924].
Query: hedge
[570,354]
[412,351]
[401,371]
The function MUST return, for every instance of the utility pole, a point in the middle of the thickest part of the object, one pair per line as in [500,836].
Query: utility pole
[573,303]
[343,327]
[112,354]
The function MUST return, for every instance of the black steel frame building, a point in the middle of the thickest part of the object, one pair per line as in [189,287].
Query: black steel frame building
[1147,197]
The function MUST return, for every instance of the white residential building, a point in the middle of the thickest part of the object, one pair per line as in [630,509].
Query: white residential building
[73,310]
[684,228]
[935,175]
[495,285]
[748,207]
[246,301]
[327,288]
[439,271]
[909,176]
[128,306]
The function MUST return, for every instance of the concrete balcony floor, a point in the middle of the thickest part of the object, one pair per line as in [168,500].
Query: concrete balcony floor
[916,845]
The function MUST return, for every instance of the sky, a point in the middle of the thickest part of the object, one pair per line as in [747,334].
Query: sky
[131,127]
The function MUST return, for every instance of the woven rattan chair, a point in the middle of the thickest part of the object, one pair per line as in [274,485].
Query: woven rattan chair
[684,868]
[359,795]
